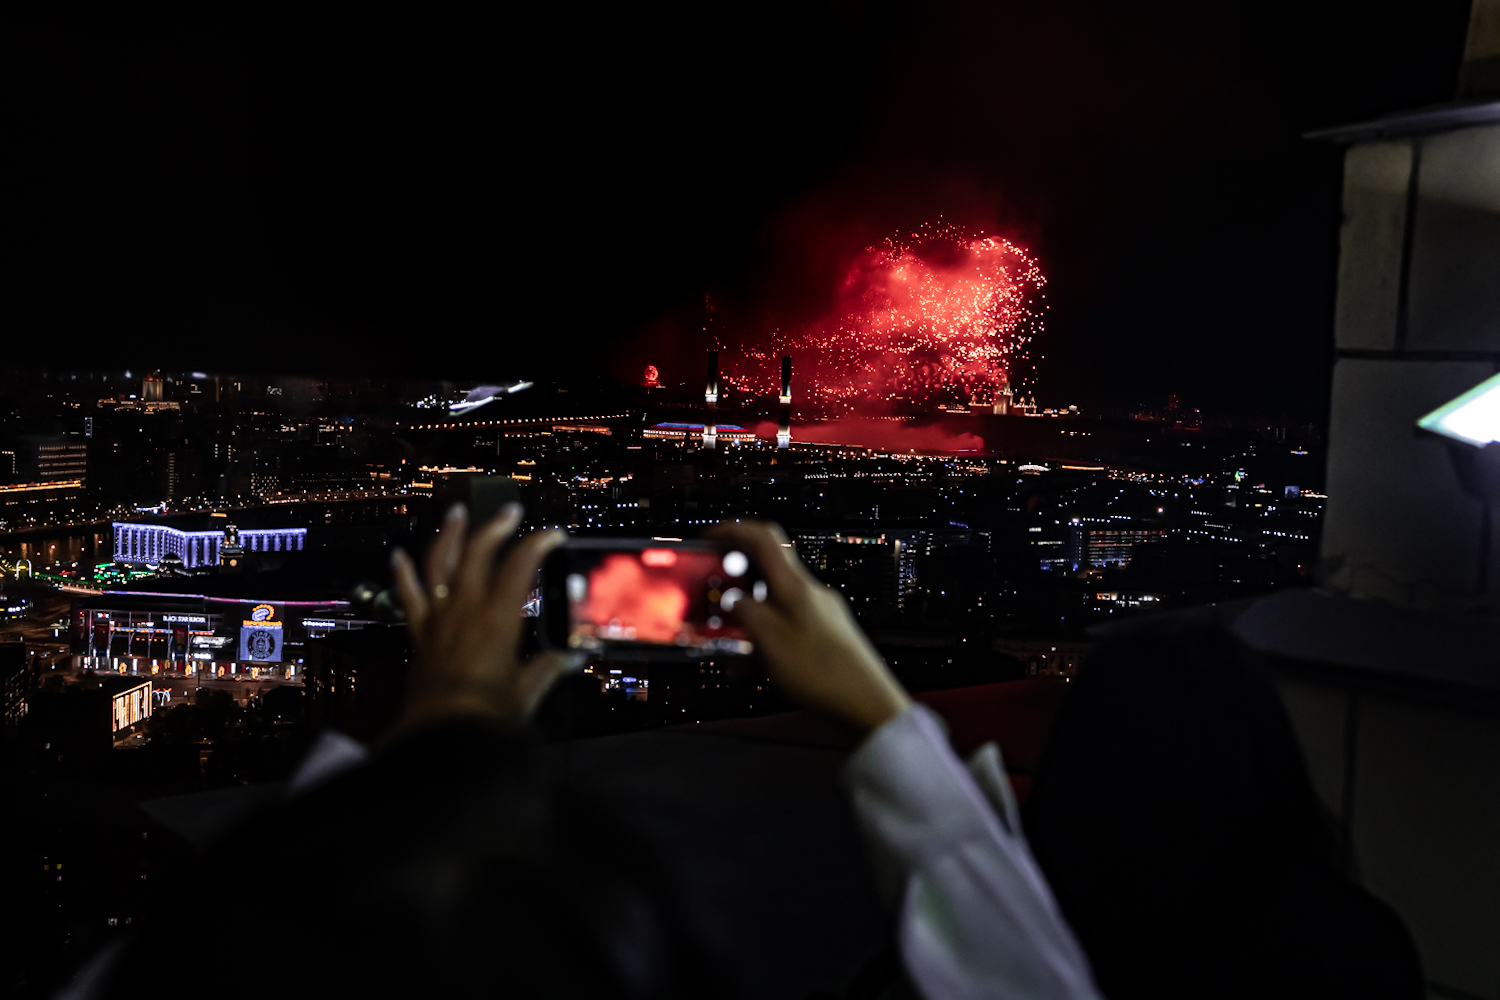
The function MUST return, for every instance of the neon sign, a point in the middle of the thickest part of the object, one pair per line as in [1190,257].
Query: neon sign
[263,615]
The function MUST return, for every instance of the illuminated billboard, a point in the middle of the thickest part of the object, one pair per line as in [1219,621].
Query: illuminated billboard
[129,707]
[260,633]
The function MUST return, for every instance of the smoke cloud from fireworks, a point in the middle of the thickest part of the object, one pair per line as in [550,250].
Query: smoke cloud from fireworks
[936,315]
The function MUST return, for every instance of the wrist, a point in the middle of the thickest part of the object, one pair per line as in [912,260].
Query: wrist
[876,707]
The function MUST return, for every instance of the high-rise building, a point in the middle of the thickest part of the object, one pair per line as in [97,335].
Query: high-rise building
[49,458]
[1097,547]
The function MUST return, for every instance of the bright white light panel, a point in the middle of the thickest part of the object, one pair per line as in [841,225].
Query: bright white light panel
[1473,418]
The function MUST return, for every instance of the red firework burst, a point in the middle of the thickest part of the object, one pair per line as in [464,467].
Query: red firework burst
[935,315]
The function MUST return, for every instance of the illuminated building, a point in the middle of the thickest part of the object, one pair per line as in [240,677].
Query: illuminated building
[674,431]
[78,725]
[1091,547]
[146,544]
[62,460]
[1003,400]
[40,495]
[151,388]
[145,633]
[45,458]
[830,552]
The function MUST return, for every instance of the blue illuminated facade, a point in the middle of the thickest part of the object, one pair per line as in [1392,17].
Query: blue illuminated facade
[145,544]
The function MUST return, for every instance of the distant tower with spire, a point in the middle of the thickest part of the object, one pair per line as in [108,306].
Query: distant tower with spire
[1003,399]
[231,553]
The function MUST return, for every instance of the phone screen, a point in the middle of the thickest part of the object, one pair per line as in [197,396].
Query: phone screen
[652,599]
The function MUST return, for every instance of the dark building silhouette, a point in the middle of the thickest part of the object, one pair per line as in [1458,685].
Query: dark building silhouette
[353,681]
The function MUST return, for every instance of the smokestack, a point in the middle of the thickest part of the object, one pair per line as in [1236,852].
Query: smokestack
[784,428]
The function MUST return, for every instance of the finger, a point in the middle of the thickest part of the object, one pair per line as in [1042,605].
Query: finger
[766,544]
[473,573]
[442,558]
[517,575]
[538,674]
[409,590]
[763,623]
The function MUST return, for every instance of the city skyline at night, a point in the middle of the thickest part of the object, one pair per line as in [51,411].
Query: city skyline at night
[831,500]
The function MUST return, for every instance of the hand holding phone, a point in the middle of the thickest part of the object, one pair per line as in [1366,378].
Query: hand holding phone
[465,624]
[807,637]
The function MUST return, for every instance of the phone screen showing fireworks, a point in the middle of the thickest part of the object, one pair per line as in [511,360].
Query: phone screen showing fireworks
[627,599]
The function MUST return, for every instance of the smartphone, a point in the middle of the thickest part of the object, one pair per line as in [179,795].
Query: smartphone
[646,599]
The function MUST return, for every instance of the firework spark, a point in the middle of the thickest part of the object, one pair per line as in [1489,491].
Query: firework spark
[935,315]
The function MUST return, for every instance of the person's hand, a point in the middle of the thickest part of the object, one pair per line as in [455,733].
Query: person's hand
[465,625]
[812,647]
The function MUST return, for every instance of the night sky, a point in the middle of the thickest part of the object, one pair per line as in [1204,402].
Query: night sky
[556,189]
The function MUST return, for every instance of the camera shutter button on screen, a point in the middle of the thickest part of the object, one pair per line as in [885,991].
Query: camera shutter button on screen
[736,563]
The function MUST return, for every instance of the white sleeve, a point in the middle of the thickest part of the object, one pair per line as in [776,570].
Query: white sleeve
[977,918]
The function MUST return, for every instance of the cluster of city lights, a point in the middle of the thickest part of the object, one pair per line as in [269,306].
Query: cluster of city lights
[937,314]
